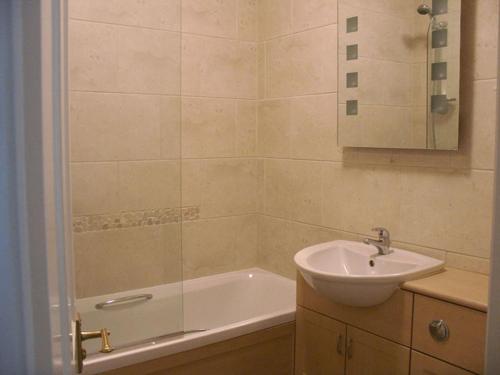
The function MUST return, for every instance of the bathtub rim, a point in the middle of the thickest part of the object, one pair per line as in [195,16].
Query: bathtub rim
[146,351]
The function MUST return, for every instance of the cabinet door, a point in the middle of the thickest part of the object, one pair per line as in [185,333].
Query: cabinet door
[368,354]
[319,345]
[422,364]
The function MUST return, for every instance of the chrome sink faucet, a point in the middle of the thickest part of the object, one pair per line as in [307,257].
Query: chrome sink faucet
[383,243]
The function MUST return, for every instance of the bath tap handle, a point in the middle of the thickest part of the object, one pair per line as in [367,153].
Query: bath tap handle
[134,298]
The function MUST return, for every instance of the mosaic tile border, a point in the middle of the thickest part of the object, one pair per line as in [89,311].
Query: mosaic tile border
[130,219]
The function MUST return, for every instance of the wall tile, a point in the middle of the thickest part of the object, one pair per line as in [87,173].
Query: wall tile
[313,130]
[219,67]
[468,263]
[304,63]
[94,188]
[114,126]
[208,127]
[92,56]
[277,188]
[219,245]
[170,127]
[119,260]
[221,187]
[114,58]
[477,126]
[447,209]
[246,128]
[479,40]
[275,18]
[308,14]
[210,17]
[148,61]
[248,20]
[306,194]
[149,184]
[355,198]
[160,14]
[274,128]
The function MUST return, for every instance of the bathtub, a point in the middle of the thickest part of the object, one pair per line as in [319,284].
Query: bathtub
[213,308]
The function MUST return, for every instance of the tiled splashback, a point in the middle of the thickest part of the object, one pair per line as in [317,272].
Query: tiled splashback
[245,142]
[438,203]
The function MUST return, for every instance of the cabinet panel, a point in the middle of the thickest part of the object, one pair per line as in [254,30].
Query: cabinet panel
[320,344]
[368,354]
[465,344]
[391,319]
[422,364]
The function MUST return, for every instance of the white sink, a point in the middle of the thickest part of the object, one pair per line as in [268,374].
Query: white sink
[349,272]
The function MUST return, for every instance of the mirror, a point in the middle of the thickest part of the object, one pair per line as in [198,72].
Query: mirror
[399,73]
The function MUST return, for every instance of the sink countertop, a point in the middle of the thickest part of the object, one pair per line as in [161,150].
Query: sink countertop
[452,285]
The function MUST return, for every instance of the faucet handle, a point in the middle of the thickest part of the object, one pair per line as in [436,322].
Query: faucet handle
[382,232]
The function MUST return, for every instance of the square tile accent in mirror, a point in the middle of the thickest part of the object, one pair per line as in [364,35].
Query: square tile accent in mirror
[351,107]
[439,71]
[352,52]
[439,7]
[352,24]
[440,38]
[352,79]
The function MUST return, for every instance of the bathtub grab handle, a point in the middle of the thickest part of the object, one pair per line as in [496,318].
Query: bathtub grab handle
[134,298]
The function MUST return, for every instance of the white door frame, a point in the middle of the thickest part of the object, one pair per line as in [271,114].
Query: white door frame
[34,221]
[492,357]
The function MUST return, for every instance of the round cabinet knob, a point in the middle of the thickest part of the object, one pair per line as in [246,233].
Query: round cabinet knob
[439,330]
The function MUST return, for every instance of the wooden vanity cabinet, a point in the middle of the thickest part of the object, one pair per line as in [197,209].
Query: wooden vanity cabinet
[392,338]
[422,364]
[325,346]
[320,344]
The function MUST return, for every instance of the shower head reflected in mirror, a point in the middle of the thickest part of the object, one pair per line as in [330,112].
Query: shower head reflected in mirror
[424,9]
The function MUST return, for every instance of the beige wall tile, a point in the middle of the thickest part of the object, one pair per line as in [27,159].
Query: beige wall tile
[171,247]
[114,126]
[308,14]
[170,127]
[356,198]
[118,260]
[468,263]
[161,14]
[248,20]
[149,184]
[94,188]
[114,58]
[275,18]
[261,70]
[304,63]
[210,17]
[278,185]
[219,67]
[479,40]
[477,126]
[92,56]
[221,187]
[208,127]
[307,178]
[246,128]
[148,61]
[447,209]
[219,245]
[274,124]
[313,130]
[275,252]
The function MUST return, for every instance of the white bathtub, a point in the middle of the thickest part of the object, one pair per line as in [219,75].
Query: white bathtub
[225,305]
